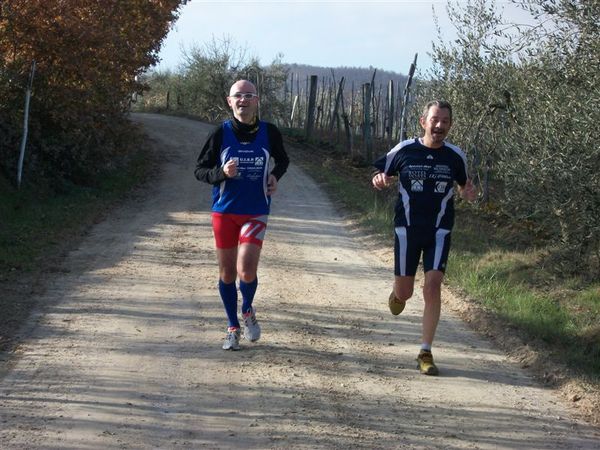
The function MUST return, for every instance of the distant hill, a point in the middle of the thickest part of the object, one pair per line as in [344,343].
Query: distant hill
[358,75]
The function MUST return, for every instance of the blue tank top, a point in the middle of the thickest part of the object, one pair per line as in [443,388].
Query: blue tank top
[246,193]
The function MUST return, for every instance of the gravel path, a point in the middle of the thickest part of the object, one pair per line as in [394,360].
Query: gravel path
[126,353]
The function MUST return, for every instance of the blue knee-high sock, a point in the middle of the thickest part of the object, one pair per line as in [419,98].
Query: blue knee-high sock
[248,290]
[229,296]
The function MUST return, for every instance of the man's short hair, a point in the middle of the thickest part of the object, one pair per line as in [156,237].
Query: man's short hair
[442,104]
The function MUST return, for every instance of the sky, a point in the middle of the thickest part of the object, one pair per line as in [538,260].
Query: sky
[329,33]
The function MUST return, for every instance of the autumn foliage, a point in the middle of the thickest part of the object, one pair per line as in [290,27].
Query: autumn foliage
[88,55]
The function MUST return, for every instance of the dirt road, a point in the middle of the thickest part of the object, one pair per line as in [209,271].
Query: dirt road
[127,353]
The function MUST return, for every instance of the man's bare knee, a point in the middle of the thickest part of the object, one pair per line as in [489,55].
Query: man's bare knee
[227,270]
[403,293]
[432,288]
[404,287]
[227,276]
[247,276]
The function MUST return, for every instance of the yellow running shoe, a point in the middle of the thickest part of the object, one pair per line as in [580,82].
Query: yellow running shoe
[426,365]
[396,305]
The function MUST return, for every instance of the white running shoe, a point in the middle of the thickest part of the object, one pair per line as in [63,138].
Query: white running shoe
[251,326]
[232,340]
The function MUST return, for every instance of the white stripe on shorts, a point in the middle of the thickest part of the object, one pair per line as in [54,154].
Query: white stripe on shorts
[440,235]
[255,227]
[403,246]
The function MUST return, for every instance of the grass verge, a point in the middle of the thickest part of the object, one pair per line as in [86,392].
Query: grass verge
[35,222]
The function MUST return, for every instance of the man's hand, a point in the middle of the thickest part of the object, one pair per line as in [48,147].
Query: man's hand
[271,185]
[381,180]
[469,191]
[230,168]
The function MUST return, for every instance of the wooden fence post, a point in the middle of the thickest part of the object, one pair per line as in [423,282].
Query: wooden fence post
[288,103]
[376,111]
[347,127]
[367,120]
[373,107]
[320,107]
[299,99]
[404,115]
[293,111]
[338,98]
[390,112]
[310,113]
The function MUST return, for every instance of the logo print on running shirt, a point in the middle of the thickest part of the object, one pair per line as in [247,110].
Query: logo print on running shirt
[440,186]
[429,157]
[416,185]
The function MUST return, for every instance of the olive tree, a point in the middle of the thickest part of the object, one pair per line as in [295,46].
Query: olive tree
[526,100]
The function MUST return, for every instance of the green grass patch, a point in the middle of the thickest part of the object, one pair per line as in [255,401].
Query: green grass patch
[516,288]
[34,222]
[496,286]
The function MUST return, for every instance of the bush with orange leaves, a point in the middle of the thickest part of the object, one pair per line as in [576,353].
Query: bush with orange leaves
[88,55]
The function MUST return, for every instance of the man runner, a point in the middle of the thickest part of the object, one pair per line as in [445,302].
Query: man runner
[235,160]
[427,168]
